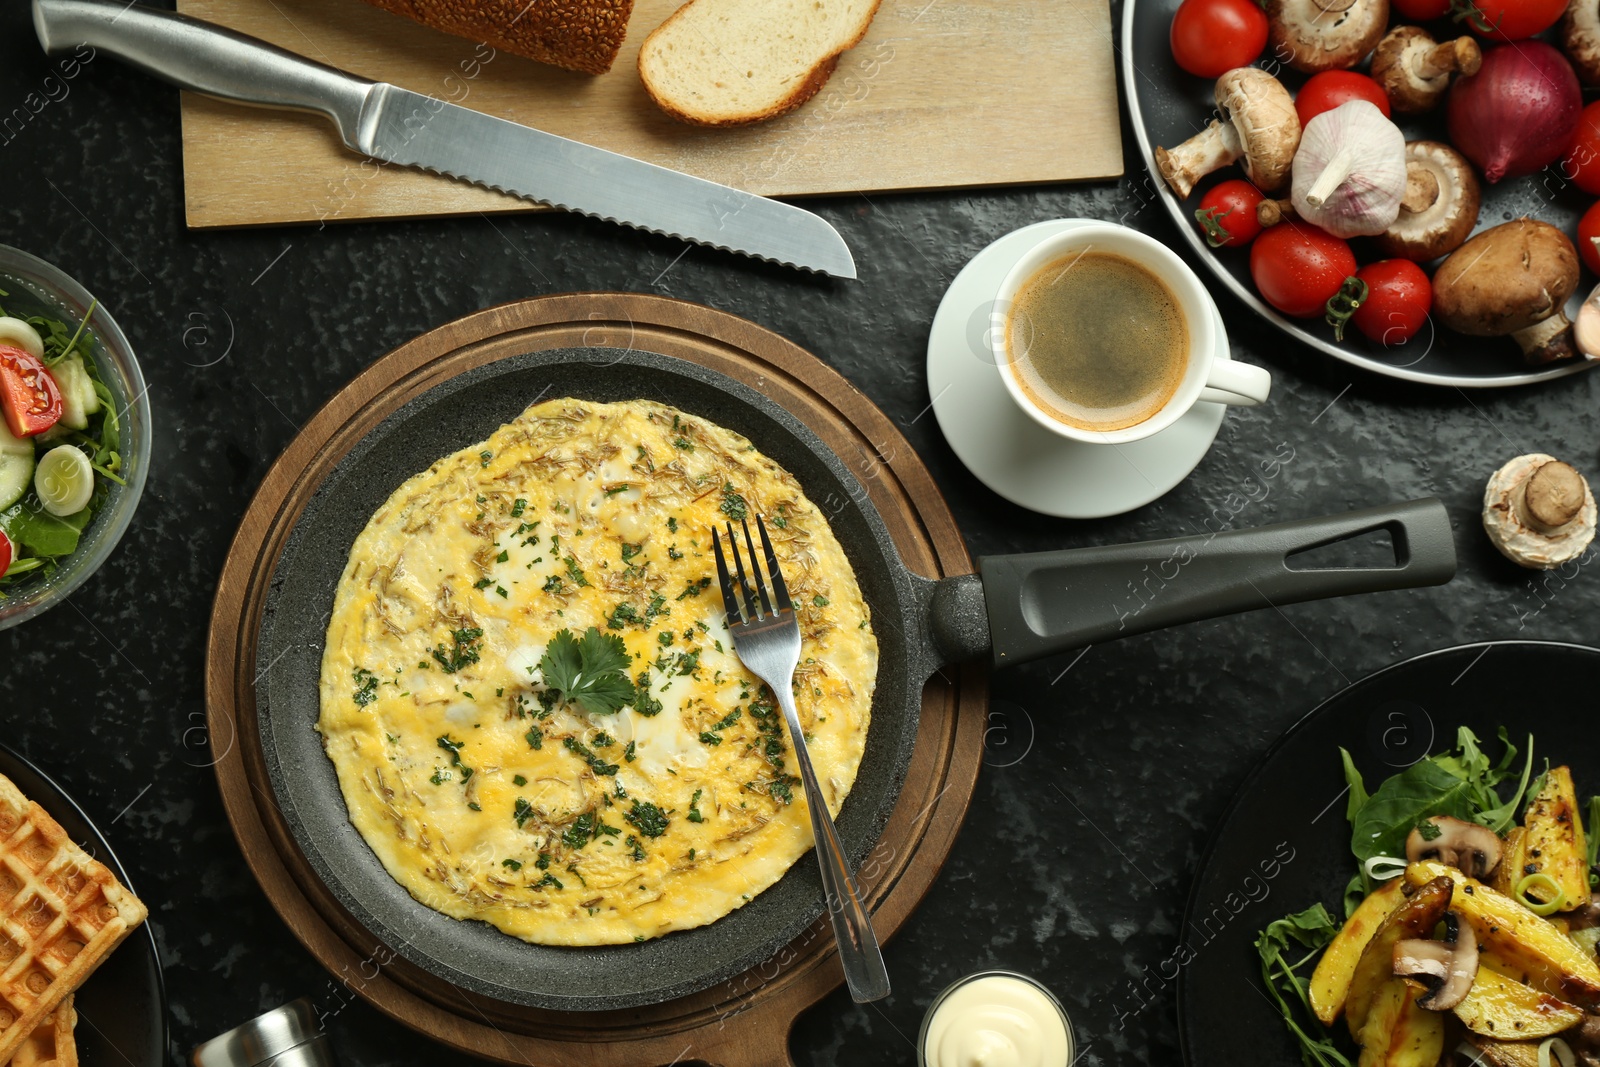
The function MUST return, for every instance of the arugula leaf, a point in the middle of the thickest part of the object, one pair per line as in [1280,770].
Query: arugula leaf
[1460,784]
[1278,945]
[41,533]
[1425,788]
[1594,831]
[1358,788]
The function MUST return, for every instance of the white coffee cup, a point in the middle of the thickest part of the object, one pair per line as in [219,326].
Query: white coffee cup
[1205,377]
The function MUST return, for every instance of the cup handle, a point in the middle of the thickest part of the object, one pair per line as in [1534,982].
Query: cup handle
[1232,382]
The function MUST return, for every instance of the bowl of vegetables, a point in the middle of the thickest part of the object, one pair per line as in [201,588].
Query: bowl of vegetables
[74,437]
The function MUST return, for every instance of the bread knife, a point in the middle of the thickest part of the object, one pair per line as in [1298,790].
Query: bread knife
[398,126]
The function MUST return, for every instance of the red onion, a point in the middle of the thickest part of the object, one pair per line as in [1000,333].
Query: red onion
[1518,113]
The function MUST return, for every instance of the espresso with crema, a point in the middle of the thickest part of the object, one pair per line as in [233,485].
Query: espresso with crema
[1097,341]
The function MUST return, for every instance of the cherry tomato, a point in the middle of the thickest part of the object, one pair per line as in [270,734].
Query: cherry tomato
[1399,297]
[1297,268]
[1421,10]
[5,553]
[1508,20]
[1211,37]
[1588,232]
[30,396]
[1326,91]
[1227,213]
[1582,165]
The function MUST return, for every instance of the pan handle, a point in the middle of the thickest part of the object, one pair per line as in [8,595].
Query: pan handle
[1046,602]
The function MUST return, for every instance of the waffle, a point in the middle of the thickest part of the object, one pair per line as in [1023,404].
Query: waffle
[61,914]
[51,1044]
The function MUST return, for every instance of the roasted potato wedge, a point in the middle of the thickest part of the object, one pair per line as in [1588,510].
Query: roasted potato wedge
[1330,982]
[1509,870]
[1415,917]
[1399,1033]
[1551,963]
[1554,844]
[1499,1005]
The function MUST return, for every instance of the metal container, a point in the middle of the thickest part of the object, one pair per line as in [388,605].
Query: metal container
[290,1036]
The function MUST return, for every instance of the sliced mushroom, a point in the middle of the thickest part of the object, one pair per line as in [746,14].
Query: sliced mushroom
[1260,126]
[1539,512]
[1471,849]
[1440,205]
[1512,279]
[1415,70]
[1580,36]
[1447,966]
[1317,35]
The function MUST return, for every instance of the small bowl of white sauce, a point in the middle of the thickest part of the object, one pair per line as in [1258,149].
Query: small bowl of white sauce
[995,1019]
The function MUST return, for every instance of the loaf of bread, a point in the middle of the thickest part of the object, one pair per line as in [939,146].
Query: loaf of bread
[582,35]
[733,62]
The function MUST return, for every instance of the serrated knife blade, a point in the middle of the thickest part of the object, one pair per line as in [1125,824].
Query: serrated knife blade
[401,127]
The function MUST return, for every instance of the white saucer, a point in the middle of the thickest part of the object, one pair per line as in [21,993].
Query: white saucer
[1012,454]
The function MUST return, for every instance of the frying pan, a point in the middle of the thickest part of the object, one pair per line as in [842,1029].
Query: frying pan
[1019,607]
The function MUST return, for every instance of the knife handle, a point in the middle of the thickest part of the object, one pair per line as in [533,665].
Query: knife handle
[1046,602]
[207,59]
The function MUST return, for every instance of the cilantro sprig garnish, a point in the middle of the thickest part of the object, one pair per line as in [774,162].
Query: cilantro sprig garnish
[591,671]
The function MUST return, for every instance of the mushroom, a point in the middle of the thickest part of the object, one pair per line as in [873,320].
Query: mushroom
[1415,70]
[1580,37]
[1539,512]
[1471,849]
[1271,212]
[1318,35]
[1512,279]
[1261,126]
[1439,207]
[1447,966]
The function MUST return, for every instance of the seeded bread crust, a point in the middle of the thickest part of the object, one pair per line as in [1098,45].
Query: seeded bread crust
[581,35]
[687,112]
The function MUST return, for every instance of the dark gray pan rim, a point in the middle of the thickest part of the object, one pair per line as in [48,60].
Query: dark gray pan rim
[473,955]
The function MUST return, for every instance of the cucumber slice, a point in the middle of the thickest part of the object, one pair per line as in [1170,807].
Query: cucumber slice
[16,467]
[64,480]
[78,399]
[22,335]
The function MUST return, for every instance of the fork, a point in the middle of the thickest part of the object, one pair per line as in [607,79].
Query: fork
[766,636]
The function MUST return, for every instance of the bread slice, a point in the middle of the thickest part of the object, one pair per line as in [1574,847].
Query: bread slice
[582,35]
[733,62]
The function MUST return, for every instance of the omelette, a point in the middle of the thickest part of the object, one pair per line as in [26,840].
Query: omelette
[530,695]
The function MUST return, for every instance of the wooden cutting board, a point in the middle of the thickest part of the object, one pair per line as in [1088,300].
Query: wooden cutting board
[941,93]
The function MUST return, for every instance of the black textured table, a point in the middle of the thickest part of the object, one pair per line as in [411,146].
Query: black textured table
[1106,771]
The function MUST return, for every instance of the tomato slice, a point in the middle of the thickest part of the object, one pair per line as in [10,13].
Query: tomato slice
[5,553]
[29,395]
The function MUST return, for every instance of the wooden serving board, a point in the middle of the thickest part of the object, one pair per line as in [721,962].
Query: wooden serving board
[940,93]
[745,1021]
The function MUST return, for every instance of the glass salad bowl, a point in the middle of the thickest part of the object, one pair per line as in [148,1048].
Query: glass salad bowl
[33,287]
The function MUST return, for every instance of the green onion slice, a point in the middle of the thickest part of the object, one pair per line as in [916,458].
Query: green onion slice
[1540,880]
[1562,1050]
[1383,868]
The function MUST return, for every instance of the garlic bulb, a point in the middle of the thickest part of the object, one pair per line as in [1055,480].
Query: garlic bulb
[1350,170]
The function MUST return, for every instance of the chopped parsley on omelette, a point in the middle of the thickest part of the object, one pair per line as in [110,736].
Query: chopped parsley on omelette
[530,695]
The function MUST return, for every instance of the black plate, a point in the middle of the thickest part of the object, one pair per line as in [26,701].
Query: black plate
[122,1008]
[1285,844]
[475,955]
[1166,106]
